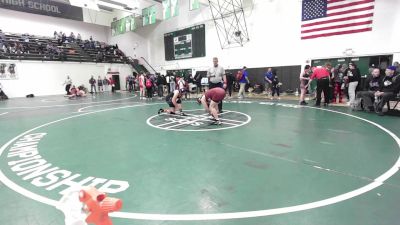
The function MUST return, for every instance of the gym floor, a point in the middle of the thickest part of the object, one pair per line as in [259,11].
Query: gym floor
[269,163]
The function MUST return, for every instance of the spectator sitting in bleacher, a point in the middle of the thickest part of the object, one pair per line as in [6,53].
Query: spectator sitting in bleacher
[4,48]
[40,48]
[11,49]
[99,57]
[25,37]
[55,35]
[72,37]
[51,51]
[27,48]
[85,45]
[119,53]
[19,49]
[59,39]
[2,35]
[78,38]
[103,46]
[63,38]
[61,54]
[92,45]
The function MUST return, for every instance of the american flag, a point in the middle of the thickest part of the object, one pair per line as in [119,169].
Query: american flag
[324,18]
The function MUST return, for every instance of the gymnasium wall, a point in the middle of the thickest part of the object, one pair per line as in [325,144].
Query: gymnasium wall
[46,78]
[132,44]
[20,22]
[274,28]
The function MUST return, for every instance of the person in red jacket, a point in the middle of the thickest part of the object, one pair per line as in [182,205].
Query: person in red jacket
[323,76]
[112,83]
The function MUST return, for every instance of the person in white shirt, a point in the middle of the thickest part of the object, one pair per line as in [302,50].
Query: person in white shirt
[217,78]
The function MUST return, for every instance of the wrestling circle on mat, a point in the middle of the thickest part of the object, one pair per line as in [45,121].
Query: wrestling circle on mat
[269,164]
[198,120]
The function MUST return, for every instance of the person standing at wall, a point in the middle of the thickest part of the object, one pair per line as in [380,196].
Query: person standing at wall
[105,83]
[304,81]
[160,86]
[217,78]
[337,83]
[197,81]
[126,82]
[353,77]
[171,84]
[268,76]
[276,87]
[243,80]
[230,79]
[322,75]
[100,84]
[141,81]
[92,83]
[130,83]
[68,83]
[149,87]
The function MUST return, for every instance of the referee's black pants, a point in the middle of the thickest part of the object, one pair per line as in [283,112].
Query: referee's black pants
[322,86]
[215,85]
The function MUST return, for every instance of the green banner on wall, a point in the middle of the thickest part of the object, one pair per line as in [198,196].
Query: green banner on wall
[166,9]
[194,4]
[170,8]
[149,15]
[123,25]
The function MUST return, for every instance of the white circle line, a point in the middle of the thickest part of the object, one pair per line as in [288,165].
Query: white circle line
[216,216]
[199,130]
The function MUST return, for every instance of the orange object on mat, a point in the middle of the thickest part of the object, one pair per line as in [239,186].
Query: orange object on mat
[98,205]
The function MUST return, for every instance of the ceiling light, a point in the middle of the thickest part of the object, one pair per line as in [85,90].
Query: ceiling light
[89,4]
[110,5]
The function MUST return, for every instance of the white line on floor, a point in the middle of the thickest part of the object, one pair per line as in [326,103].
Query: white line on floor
[179,116]
[51,106]
[86,107]
[222,119]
